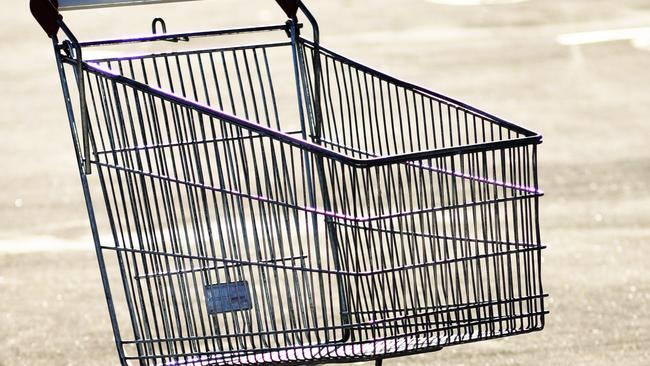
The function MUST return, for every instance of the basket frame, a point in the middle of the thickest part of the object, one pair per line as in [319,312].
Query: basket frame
[70,53]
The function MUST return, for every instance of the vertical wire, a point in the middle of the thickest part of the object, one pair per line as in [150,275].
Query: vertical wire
[140,211]
[111,116]
[198,196]
[160,282]
[208,168]
[285,192]
[162,211]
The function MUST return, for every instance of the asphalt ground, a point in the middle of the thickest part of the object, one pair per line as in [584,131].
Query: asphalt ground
[588,95]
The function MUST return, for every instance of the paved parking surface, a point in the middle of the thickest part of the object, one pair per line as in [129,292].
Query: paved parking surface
[575,70]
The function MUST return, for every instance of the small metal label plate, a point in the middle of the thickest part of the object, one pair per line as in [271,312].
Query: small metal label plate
[226,297]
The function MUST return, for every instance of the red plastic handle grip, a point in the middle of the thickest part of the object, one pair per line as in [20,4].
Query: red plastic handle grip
[290,7]
[47,14]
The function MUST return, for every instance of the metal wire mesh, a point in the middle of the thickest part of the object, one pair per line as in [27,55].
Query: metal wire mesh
[398,221]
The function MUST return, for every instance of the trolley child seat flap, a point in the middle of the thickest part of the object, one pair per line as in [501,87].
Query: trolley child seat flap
[367,219]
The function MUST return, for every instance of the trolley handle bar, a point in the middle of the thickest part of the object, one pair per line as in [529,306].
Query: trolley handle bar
[92,4]
[47,13]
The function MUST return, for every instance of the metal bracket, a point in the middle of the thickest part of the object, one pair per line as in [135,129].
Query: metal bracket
[163,26]
[72,49]
[289,26]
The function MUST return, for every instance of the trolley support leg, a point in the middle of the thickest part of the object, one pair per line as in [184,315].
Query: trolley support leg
[89,206]
[314,114]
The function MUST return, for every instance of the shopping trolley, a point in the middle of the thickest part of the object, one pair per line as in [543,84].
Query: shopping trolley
[368,218]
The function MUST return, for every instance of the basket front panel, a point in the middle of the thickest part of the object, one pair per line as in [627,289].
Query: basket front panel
[447,249]
[193,202]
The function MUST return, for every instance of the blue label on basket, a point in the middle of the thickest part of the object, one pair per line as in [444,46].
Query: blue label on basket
[227,297]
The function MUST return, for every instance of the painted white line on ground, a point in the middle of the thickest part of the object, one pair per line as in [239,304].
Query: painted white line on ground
[641,43]
[636,35]
[42,244]
[475,2]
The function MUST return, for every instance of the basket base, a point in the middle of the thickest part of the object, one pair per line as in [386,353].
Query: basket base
[323,354]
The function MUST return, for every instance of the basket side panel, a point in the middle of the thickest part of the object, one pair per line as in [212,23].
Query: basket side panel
[368,114]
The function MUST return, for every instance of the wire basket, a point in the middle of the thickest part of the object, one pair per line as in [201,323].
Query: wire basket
[371,219]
